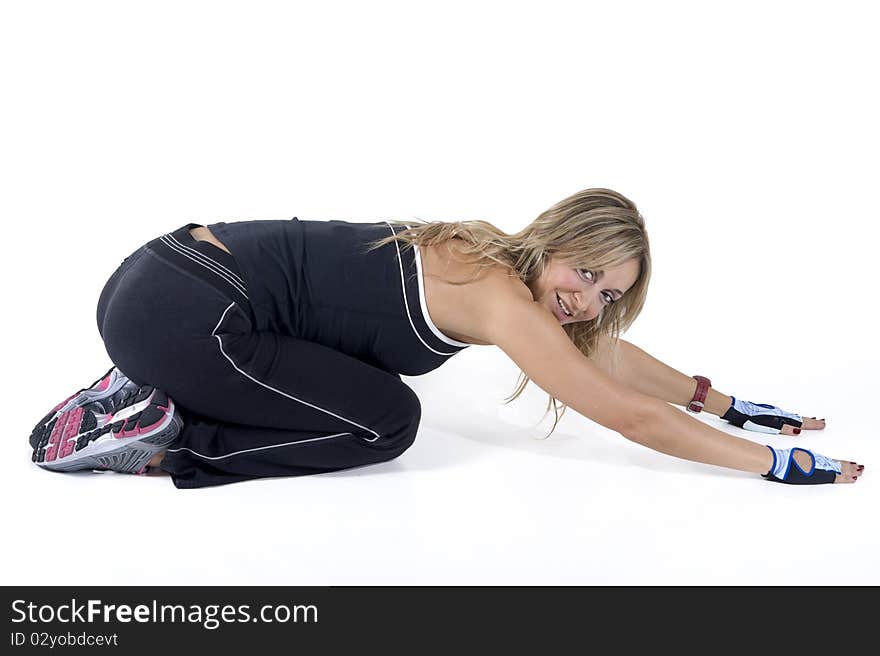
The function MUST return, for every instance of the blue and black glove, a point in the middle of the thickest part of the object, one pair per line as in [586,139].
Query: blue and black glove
[786,469]
[761,417]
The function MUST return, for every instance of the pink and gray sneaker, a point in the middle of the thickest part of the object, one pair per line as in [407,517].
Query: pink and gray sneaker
[114,424]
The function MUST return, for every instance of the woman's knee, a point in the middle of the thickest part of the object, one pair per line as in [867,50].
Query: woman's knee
[407,413]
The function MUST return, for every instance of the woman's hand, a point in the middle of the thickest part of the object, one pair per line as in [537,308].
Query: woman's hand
[766,418]
[798,466]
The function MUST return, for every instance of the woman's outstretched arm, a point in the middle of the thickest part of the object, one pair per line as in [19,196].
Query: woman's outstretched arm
[533,339]
[637,369]
[632,366]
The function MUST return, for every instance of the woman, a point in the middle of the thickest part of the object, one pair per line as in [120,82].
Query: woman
[275,348]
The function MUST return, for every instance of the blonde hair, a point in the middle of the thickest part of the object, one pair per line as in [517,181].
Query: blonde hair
[592,229]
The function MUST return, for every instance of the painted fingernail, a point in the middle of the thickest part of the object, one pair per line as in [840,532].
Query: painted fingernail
[854,478]
[797,431]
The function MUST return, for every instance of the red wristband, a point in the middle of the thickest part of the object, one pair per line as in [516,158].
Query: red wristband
[703,385]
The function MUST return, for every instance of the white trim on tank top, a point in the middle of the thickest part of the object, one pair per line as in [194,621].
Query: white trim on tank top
[424,305]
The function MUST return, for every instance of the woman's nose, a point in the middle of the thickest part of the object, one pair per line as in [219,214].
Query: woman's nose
[587,308]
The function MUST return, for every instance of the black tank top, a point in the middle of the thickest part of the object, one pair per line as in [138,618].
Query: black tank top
[315,280]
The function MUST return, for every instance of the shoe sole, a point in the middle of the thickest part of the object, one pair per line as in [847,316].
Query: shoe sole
[73,440]
[105,386]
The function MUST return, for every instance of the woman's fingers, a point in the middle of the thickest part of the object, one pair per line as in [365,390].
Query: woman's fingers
[809,423]
[850,472]
[788,429]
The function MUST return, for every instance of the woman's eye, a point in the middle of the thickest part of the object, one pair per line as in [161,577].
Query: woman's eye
[588,275]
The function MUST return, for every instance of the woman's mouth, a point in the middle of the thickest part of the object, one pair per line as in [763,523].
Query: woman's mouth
[564,310]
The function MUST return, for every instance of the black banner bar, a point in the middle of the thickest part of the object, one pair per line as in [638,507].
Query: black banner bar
[257,619]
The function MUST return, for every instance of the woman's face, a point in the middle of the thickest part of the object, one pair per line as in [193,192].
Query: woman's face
[584,292]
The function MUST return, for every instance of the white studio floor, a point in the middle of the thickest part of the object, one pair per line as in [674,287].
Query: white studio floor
[479,499]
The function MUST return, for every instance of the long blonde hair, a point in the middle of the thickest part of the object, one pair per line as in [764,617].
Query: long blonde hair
[591,229]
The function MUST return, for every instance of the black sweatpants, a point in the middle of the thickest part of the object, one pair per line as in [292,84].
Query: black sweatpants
[175,314]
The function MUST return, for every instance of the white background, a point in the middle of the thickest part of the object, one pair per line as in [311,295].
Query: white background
[746,133]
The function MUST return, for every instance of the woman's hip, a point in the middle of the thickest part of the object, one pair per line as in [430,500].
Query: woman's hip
[167,296]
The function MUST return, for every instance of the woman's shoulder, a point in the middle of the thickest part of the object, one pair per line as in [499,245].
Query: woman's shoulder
[451,260]
[460,291]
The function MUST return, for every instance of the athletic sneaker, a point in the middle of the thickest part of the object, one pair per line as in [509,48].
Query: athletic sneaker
[114,424]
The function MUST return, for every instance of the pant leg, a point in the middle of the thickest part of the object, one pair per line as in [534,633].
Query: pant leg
[280,406]
[254,404]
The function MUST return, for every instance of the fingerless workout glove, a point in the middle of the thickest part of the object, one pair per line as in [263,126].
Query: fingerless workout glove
[785,468]
[760,417]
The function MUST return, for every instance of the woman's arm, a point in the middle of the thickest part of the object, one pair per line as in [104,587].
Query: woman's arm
[535,341]
[631,366]
[637,369]
[678,434]
[501,311]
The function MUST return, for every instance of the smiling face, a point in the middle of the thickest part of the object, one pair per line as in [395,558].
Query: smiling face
[583,293]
